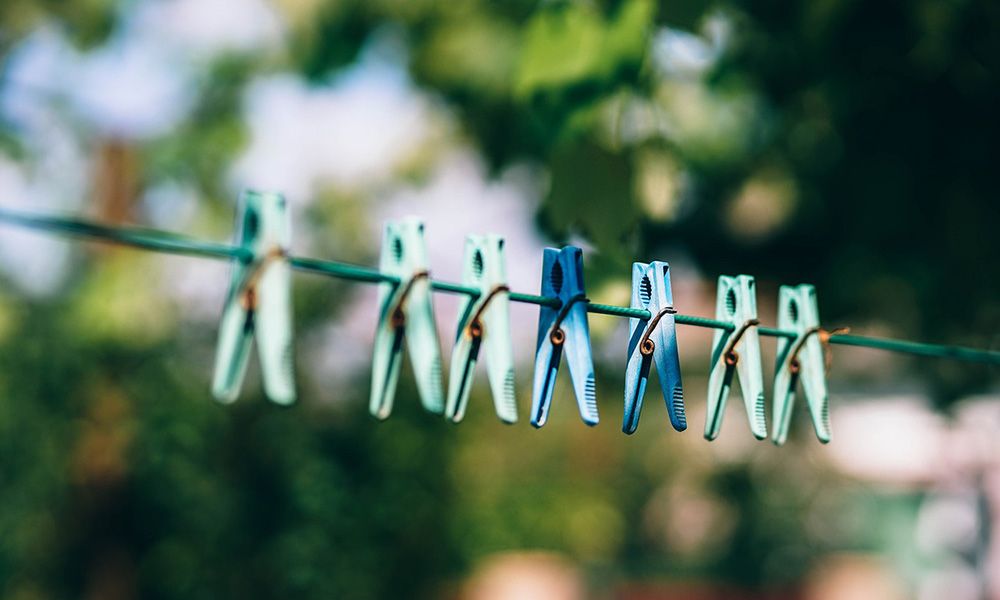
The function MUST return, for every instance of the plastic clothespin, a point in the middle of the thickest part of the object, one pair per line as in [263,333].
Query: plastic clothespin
[485,320]
[407,311]
[653,340]
[736,351]
[258,303]
[800,358]
[563,328]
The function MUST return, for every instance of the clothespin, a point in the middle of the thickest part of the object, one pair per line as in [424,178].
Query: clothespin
[407,311]
[800,358]
[653,340]
[484,320]
[563,328]
[736,351]
[258,303]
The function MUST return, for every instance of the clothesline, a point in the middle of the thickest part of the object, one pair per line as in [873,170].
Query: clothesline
[171,243]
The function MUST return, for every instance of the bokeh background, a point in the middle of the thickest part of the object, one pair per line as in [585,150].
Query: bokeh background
[850,145]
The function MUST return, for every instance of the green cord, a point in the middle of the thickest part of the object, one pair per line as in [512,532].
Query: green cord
[771,331]
[919,349]
[341,270]
[147,239]
[160,241]
[703,322]
[533,299]
[452,288]
[619,311]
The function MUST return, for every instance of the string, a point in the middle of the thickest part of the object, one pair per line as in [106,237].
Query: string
[170,243]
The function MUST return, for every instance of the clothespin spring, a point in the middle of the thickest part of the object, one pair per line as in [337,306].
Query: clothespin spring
[398,316]
[731,355]
[824,338]
[646,345]
[558,336]
[475,325]
[248,289]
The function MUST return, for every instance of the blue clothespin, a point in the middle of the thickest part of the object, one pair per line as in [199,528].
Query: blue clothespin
[407,311]
[736,351]
[485,321]
[653,340]
[258,302]
[563,328]
[802,359]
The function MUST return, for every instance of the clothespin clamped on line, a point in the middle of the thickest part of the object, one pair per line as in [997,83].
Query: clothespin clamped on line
[407,311]
[736,351]
[653,340]
[800,358]
[563,328]
[485,320]
[258,302]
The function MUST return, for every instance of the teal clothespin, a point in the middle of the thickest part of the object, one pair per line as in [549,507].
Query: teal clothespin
[407,311]
[485,320]
[800,358]
[258,302]
[736,351]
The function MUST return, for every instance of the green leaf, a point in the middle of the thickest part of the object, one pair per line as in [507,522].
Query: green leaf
[574,44]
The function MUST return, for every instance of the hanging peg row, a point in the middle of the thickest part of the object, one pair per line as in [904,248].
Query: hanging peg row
[258,304]
[258,307]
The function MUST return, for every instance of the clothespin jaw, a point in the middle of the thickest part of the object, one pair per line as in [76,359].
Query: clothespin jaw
[563,329]
[736,351]
[258,302]
[407,312]
[802,359]
[484,321]
[653,340]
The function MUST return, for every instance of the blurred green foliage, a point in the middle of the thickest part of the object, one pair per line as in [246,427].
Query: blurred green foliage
[868,129]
